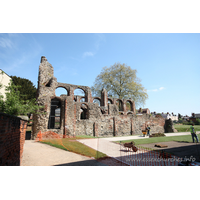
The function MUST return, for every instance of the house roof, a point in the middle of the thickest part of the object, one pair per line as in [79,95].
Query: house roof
[5,73]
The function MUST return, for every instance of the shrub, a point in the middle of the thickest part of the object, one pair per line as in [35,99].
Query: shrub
[157,135]
[197,122]
[13,105]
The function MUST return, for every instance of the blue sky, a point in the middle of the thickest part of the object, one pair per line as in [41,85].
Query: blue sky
[167,64]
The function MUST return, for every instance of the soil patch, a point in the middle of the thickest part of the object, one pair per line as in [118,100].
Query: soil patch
[180,149]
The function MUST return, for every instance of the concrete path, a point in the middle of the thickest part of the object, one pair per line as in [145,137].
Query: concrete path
[38,154]
[135,137]
[106,145]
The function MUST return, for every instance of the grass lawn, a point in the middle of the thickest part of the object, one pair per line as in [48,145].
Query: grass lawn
[181,138]
[70,144]
[186,128]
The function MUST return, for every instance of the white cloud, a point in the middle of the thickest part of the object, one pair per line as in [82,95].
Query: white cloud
[161,88]
[156,90]
[85,54]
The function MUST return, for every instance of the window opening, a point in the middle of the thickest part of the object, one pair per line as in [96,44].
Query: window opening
[60,91]
[55,114]
[119,105]
[128,106]
[97,101]
[84,112]
[79,92]
[82,99]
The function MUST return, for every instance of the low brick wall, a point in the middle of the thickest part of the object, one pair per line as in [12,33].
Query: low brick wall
[12,139]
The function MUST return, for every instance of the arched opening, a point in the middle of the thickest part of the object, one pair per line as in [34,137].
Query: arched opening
[119,105]
[97,101]
[60,91]
[82,99]
[84,111]
[55,114]
[79,92]
[110,101]
[128,106]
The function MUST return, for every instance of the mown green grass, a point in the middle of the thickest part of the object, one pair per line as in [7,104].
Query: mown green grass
[72,145]
[186,128]
[181,138]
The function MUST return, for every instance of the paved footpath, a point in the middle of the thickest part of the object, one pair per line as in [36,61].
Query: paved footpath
[39,154]
[106,145]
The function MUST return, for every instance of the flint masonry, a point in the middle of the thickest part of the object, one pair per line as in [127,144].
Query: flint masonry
[72,115]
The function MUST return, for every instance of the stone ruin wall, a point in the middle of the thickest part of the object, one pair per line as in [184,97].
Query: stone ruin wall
[103,120]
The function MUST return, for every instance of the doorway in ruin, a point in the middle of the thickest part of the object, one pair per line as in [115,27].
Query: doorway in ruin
[55,114]
[84,111]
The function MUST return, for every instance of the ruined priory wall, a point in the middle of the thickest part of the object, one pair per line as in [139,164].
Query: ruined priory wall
[119,125]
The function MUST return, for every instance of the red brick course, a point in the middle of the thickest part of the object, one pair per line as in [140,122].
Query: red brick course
[12,139]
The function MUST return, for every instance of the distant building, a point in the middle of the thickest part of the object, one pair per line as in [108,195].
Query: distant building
[167,115]
[144,111]
[4,81]
[197,115]
[194,117]
[170,116]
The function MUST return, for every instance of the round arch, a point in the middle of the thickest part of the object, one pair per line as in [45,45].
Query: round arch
[129,106]
[84,111]
[60,90]
[97,100]
[110,101]
[119,104]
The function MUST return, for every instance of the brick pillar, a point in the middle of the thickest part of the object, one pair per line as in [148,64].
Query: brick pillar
[104,97]
[132,127]
[133,107]
[74,123]
[115,129]
[65,119]
[124,105]
[95,129]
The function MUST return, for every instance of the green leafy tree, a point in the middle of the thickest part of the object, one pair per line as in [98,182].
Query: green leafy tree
[27,90]
[120,81]
[197,121]
[14,105]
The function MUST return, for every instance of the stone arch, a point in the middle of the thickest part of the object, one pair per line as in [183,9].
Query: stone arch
[84,114]
[129,113]
[97,100]
[60,90]
[79,92]
[129,106]
[55,114]
[110,101]
[82,99]
[119,104]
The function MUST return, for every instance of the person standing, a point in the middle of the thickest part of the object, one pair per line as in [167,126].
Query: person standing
[148,130]
[194,135]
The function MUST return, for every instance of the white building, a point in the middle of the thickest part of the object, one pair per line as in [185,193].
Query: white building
[4,81]
[197,115]
[170,116]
